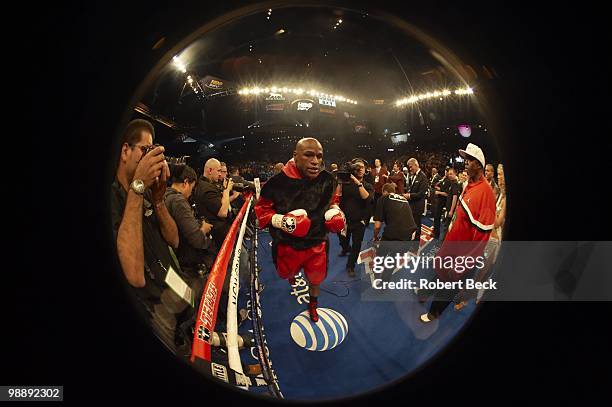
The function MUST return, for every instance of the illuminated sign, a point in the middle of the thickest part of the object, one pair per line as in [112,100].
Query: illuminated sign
[304,106]
[326,110]
[214,84]
[275,96]
[327,102]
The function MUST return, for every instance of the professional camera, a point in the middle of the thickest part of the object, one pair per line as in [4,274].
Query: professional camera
[243,186]
[147,149]
[350,168]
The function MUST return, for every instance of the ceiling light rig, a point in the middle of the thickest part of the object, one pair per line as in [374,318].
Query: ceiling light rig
[191,78]
[269,14]
[294,90]
[179,64]
[338,22]
[441,94]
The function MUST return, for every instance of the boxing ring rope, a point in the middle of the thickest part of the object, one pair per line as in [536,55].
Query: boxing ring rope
[207,313]
[262,351]
[211,294]
[232,304]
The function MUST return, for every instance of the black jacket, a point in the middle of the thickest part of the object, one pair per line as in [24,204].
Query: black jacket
[417,191]
[192,242]
[207,198]
[435,180]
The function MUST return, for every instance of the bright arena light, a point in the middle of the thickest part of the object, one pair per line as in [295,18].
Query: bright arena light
[294,90]
[436,94]
[179,64]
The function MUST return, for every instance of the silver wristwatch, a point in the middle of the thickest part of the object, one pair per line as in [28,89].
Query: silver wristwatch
[138,186]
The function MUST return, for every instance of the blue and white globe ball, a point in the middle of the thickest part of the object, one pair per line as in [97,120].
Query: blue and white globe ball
[325,334]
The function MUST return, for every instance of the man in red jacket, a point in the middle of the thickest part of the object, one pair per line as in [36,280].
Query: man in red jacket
[471,228]
[299,205]
[380,175]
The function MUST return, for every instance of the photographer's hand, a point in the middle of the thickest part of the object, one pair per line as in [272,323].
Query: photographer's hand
[229,185]
[167,225]
[225,199]
[355,180]
[158,189]
[206,227]
[150,166]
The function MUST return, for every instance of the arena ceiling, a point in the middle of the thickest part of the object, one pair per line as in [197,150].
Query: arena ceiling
[339,51]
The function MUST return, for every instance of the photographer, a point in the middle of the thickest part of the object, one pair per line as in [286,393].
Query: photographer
[221,182]
[144,229]
[212,203]
[240,185]
[196,251]
[356,198]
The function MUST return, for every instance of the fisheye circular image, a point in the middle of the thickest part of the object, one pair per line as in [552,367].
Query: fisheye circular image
[308,201]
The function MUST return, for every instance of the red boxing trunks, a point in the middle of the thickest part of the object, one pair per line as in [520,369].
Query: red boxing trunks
[289,261]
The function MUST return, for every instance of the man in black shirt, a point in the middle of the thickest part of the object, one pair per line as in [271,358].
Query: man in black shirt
[144,229]
[394,211]
[439,196]
[417,189]
[453,191]
[355,201]
[212,203]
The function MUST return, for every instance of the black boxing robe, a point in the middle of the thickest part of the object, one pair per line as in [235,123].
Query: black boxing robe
[288,191]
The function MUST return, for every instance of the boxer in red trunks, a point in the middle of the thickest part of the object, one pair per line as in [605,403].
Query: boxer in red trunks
[299,205]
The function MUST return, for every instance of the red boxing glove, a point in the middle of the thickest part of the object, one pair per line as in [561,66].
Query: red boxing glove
[295,223]
[335,221]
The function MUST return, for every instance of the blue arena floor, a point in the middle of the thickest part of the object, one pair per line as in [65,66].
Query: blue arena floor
[368,343]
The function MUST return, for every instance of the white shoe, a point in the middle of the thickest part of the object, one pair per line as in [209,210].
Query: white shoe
[426,318]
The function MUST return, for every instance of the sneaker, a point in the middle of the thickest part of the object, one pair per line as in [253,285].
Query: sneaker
[312,310]
[351,272]
[426,318]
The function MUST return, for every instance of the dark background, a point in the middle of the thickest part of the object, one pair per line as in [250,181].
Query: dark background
[70,323]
